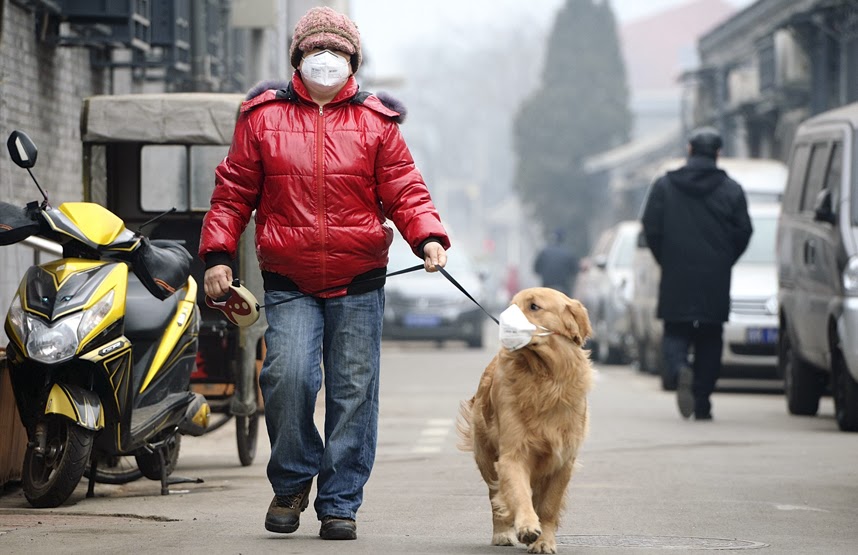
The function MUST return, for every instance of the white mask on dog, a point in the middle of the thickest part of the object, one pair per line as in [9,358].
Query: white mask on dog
[516,330]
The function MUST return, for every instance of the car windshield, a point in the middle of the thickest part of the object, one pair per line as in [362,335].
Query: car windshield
[625,251]
[761,249]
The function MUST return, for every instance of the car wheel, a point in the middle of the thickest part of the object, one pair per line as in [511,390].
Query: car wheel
[802,385]
[845,395]
[475,342]
[645,358]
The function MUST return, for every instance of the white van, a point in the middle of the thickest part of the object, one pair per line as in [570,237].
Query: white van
[817,256]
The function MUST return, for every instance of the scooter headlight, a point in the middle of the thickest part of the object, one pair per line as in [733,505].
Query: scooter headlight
[18,319]
[94,315]
[54,343]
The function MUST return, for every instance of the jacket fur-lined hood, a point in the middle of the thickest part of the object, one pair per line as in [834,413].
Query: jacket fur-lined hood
[282,90]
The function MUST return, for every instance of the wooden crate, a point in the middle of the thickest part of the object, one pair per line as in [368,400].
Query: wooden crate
[13,437]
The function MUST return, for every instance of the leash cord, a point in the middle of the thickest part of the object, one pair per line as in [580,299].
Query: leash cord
[462,289]
[328,289]
[444,272]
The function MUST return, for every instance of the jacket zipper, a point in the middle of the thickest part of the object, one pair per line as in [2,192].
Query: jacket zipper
[320,186]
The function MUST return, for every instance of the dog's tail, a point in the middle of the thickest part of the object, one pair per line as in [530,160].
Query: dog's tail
[463,426]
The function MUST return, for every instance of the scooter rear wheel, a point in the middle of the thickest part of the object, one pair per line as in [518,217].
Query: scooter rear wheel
[116,470]
[49,479]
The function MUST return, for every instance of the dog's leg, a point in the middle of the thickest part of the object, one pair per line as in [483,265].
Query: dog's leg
[502,531]
[550,498]
[517,495]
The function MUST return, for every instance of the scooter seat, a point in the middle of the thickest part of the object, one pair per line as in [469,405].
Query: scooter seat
[146,317]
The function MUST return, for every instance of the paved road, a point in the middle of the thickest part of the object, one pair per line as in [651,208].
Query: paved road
[754,478]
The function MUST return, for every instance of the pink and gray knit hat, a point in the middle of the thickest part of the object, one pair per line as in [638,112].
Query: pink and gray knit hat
[323,27]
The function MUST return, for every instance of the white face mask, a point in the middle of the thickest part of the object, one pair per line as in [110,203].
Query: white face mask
[516,330]
[325,70]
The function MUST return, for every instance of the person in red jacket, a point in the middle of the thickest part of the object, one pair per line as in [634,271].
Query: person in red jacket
[324,166]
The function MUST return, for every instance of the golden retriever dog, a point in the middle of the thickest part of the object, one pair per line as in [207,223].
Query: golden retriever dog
[528,419]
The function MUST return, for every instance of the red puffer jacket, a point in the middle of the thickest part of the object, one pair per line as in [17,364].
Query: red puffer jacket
[322,181]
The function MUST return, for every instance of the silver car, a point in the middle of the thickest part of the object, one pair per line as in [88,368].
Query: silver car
[751,334]
[605,286]
[424,306]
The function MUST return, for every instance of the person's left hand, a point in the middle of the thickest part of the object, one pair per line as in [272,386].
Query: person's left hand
[435,256]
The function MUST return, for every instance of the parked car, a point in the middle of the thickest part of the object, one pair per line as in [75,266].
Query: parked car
[763,182]
[817,256]
[605,285]
[751,333]
[426,306]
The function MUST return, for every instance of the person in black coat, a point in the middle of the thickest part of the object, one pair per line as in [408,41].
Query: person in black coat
[697,226]
[557,266]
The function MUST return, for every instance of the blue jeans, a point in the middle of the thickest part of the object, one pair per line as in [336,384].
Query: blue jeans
[344,333]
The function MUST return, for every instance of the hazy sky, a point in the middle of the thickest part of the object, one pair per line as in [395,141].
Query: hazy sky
[386,25]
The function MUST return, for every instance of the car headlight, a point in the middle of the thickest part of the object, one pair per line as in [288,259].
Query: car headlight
[55,342]
[772,306]
[94,315]
[850,276]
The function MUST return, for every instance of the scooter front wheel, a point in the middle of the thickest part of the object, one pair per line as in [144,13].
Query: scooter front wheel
[49,478]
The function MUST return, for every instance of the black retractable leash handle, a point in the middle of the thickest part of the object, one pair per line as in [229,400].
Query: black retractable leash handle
[240,306]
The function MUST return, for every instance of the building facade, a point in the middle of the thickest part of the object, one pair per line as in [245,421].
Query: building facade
[769,67]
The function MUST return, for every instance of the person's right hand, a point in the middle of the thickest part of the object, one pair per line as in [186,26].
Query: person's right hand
[217,281]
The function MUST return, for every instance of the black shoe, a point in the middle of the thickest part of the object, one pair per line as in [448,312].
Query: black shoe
[334,528]
[684,392]
[284,513]
[703,416]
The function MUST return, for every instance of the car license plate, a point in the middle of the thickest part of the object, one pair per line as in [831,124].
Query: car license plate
[762,336]
[421,320]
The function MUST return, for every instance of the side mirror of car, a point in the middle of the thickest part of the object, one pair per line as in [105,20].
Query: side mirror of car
[822,210]
[641,240]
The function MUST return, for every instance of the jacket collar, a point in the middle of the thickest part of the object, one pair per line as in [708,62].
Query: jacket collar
[346,93]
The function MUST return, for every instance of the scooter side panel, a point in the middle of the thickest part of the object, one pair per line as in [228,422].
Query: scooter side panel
[176,342]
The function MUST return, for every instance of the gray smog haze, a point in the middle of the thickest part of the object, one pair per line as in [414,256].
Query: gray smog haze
[387,25]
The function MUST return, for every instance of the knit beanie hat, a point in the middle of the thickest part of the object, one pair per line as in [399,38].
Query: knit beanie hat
[323,27]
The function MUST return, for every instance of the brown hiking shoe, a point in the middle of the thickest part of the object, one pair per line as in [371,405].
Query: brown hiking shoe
[334,528]
[284,513]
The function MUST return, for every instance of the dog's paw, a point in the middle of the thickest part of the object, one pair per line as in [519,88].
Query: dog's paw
[504,538]
[528,534]
[542,546]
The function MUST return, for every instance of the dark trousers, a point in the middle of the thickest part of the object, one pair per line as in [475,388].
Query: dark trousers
[706,339]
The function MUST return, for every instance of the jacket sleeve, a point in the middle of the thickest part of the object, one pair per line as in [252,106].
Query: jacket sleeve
[742,227]
[404,196]
[653,219]
[238,183]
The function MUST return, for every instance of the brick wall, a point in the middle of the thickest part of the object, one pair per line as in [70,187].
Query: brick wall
[41,88]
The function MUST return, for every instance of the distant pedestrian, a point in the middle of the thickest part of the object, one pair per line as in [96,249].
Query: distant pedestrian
[697,226]
[556,265]
[324,166]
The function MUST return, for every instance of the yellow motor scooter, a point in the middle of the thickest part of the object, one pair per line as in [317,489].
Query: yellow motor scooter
[102,345]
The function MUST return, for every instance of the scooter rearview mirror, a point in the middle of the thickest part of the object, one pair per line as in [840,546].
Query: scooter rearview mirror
[239,306]
[22,149]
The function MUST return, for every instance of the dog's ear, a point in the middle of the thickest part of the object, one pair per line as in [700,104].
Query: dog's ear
[578,322]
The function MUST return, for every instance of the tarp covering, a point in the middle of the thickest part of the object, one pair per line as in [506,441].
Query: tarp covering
[184,118]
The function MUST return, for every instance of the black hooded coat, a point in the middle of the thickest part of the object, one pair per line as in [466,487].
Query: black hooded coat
[697,226]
